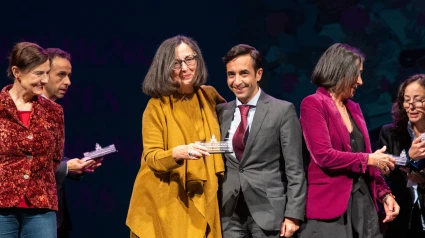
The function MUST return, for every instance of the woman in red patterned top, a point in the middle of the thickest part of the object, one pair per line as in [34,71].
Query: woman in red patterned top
[31,145]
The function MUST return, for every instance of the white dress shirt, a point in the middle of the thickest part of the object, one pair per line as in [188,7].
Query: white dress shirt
[237,117]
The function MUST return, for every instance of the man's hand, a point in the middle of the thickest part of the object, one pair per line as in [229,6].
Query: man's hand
[97,164]
[289,226]
[78,166]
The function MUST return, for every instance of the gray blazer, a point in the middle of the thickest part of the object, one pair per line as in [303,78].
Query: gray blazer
[270,173]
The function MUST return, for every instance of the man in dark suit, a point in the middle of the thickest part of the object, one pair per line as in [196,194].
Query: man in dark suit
[59,81]
[263,191]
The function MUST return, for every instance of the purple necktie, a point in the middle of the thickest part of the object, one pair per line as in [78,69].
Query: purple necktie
[239,136]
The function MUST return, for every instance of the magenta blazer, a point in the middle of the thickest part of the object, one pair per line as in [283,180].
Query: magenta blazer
[329,183]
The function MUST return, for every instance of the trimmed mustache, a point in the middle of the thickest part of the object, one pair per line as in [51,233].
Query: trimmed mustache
[240,86]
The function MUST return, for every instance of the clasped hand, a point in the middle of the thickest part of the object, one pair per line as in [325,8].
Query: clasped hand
[391,209]
[383,162]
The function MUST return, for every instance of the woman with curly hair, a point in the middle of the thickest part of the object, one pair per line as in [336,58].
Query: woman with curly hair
[405,134]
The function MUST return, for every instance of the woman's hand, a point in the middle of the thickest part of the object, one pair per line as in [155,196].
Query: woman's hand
[417,177]
[383,162]
[391,208]
[189,152]
[417,150]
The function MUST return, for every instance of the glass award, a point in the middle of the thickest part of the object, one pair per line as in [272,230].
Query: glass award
[400,160]
[100,152]
[217,147]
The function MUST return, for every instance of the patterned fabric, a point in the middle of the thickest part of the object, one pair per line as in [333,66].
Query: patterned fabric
[30,154]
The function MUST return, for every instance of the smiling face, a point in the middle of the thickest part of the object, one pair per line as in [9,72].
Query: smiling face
[59,78]
[34,80]
[414,97]
[242,78]
[186,75]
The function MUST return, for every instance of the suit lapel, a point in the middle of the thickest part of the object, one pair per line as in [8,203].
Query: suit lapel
[227,117]
[260,113]
[336,119]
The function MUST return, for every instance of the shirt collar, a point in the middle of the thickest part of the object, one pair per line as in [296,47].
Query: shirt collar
[253,101]
[410,130]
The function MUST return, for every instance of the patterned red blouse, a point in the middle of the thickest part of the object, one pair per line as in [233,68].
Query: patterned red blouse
[29,155]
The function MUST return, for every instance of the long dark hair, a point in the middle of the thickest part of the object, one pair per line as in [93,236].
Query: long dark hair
[399,114]
[338,68]
[158,81]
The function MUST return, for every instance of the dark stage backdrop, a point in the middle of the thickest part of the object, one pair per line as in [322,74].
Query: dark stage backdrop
[112,44]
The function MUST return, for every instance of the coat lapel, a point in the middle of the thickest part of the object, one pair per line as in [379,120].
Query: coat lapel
[38,108]
[227,118]
[183,121]
[335,117]
[8,105]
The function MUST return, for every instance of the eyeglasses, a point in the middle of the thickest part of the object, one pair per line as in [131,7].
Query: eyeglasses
[415,103]
[189,61]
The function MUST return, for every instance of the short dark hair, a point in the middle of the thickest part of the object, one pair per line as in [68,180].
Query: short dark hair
[338,68]
[158,81]
[399,114]
[56,52]
[26,56]
[243,49]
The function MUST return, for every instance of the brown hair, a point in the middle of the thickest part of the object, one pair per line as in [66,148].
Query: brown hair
[243,49]
[338,68]
[158,81]
[26,56]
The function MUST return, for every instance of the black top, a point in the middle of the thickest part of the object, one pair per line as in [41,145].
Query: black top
[364,219]
[356,137]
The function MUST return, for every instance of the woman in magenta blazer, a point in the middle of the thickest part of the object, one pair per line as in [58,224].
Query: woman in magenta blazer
[344,176]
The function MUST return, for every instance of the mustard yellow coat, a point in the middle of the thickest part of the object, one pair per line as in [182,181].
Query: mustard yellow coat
[177,199]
